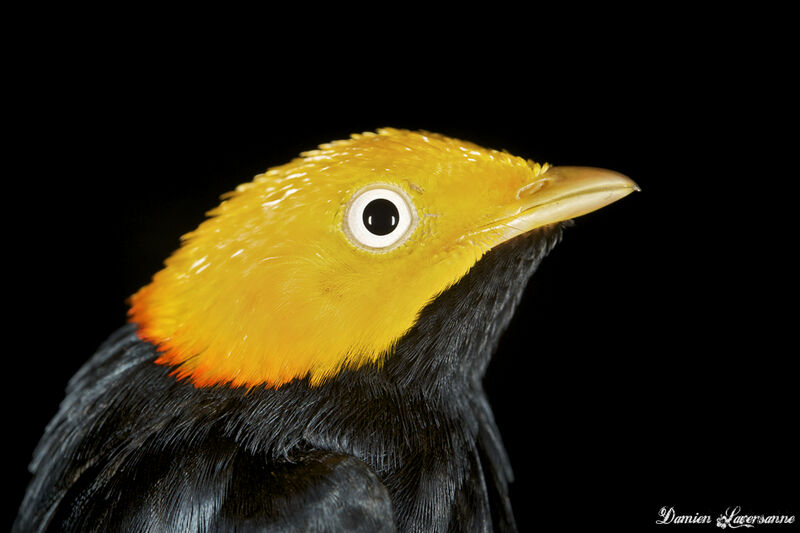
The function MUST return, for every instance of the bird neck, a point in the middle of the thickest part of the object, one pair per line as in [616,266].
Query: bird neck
[456,333]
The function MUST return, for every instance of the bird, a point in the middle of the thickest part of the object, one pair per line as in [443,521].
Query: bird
[311,357]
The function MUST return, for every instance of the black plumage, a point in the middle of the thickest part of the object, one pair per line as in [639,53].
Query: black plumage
[409,445]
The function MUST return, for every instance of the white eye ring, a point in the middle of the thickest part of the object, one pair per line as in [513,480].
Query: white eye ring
[379,217]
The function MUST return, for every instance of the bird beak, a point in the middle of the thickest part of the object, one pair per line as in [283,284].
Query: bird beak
[559,194]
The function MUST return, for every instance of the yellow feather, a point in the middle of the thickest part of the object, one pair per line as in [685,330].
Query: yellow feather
[270,288]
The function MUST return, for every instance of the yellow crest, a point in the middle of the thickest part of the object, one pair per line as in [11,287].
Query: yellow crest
[325,262]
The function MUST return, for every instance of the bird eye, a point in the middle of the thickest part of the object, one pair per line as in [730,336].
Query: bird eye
[379,217]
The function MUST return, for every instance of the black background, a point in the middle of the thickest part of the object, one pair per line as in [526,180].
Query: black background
[650,363]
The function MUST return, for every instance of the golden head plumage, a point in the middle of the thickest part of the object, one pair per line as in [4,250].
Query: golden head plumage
[284,280]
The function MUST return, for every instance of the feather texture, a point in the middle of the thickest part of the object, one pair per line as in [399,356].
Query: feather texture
[407,445]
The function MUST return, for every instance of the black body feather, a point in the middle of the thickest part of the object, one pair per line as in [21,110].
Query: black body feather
[410,445]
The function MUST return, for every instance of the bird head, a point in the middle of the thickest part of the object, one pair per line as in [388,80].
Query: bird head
[325,263]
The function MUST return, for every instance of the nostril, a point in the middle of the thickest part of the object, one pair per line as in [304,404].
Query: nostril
[533,187]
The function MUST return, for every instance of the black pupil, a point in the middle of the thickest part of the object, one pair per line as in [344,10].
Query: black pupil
[381,216]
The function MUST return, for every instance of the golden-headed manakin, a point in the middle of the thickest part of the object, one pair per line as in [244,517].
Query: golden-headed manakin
[311,357]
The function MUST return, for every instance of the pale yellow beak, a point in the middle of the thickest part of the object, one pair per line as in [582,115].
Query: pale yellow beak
[559,194]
